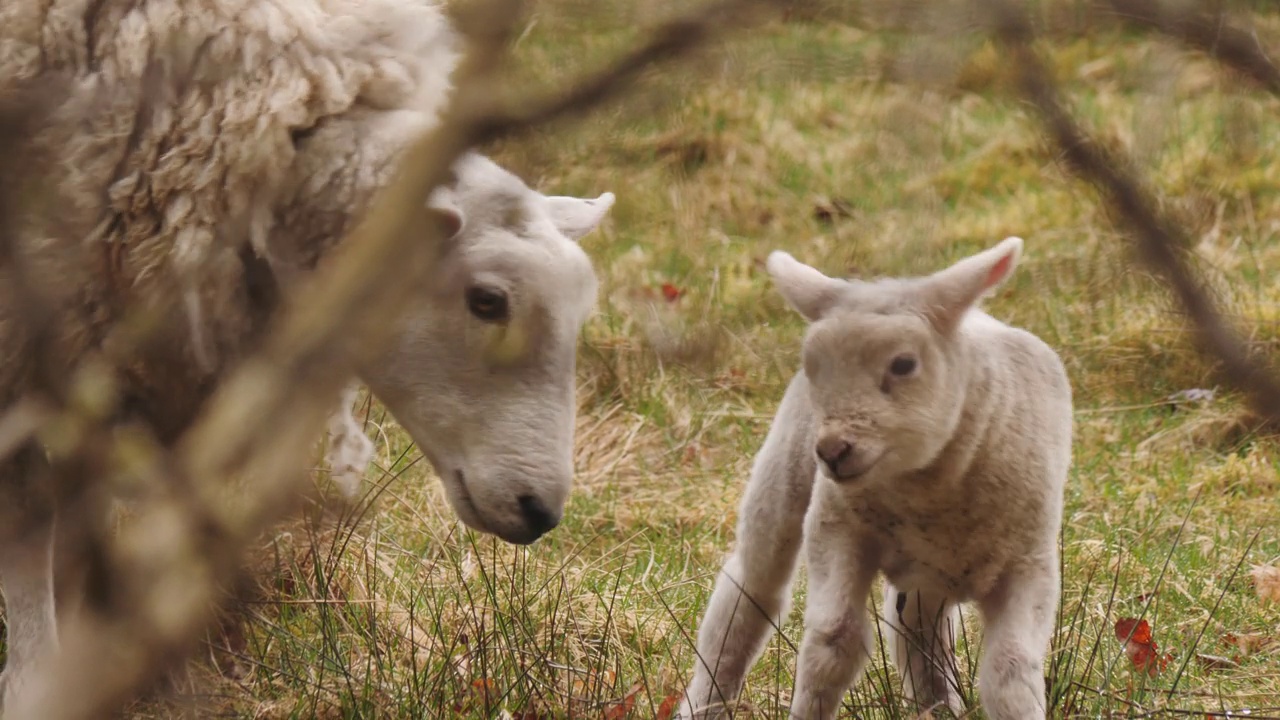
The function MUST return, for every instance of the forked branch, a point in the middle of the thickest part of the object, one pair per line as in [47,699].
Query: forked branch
[1158,239]
[177,550]
[1209,31]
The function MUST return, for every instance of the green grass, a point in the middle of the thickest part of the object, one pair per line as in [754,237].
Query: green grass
[388,609]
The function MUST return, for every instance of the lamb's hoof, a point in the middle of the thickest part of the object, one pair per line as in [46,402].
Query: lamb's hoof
[5,700]
[951,707]
[10,687]
[710,712]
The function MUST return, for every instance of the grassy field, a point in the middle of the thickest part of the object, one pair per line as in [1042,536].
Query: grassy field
[864,150]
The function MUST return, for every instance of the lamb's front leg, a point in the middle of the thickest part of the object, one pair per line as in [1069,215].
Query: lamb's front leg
[837,631]
[350,450]
[1018,624]
[752,592]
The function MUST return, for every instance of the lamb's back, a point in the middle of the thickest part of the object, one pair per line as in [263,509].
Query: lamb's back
[1025,448]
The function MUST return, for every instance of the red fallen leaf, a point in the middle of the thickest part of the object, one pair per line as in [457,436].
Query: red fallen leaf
[1133,630]
[620,709]
[668,707]
[671,292]
[1140,646]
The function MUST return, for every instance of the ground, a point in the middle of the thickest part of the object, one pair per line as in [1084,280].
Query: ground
[864,150]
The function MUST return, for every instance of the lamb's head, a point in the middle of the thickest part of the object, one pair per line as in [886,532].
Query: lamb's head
[888,361]
[482,373]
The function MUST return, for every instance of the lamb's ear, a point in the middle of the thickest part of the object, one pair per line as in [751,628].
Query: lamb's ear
[575,217]
[950,293]
[810,292]
[442,205]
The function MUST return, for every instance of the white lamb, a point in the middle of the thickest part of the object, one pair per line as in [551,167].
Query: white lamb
[943,439]
[208,151]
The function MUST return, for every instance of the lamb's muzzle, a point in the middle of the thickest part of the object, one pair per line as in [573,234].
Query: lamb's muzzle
[843,458]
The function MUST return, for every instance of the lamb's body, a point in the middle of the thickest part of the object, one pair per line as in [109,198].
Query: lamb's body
[973,516]
[210,152]
[960,524]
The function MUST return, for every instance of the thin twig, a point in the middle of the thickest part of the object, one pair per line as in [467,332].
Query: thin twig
[179,549]
[1157,238]
[1209,31]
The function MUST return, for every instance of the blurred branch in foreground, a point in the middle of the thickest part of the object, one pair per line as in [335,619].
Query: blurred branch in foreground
[178,548]
[1160,241]
[1208,31]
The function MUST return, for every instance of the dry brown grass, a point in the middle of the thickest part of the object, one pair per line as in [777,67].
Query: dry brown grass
[862,151]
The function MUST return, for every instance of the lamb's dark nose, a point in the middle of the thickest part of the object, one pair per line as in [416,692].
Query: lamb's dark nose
[537,518]
[832,450]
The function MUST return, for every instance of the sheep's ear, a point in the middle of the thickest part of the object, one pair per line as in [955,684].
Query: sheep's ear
[950,293]
[443,207]
[811,293]
[575,217]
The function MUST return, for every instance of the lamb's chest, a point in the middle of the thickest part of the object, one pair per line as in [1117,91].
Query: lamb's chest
[942,553]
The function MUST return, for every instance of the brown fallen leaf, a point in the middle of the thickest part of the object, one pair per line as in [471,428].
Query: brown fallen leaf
[827,209]
[480,693]
[591,685]
[1266,579]
[620,709]
[1216,662]
[1249,643]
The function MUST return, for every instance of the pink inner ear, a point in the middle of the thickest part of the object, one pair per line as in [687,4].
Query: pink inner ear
[998,271]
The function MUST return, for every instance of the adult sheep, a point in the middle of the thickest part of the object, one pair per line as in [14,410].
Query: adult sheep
[211,150]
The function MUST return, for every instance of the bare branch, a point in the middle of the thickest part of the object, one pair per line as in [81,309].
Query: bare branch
[669,41]
[1208,31]
[1158,239]
[179,548]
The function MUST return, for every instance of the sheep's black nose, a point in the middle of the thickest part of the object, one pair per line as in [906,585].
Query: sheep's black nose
[832,451]
[537,517]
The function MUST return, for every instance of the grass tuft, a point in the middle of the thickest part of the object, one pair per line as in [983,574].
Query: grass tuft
[840,136]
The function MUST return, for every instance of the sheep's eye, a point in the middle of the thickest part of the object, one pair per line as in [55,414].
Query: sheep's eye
[903,365]
[488,305]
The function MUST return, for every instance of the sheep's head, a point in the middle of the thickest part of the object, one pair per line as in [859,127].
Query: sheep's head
[887,360]
[481,374]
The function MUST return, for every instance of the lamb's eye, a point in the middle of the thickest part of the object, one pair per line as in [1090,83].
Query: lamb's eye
[488,305]
[903,365]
